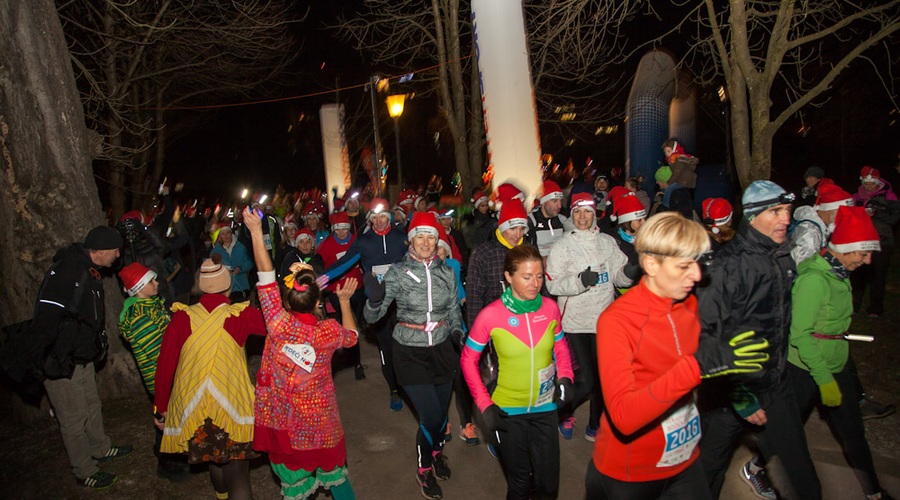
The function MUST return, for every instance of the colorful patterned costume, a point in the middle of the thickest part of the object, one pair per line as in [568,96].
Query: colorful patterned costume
[297,420]
[211,380]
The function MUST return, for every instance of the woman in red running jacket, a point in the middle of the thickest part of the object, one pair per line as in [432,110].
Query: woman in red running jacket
[651,358]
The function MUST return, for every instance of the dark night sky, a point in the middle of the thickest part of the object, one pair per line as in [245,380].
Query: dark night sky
[251,146]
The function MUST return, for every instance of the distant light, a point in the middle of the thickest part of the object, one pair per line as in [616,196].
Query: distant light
[322,66]
[567,117]
[723,95]
[354,195]
[262,199]
[570,142]
[448,213]
[244,193]
[378,208]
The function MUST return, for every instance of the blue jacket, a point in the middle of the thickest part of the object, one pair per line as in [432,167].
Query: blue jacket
[238,258]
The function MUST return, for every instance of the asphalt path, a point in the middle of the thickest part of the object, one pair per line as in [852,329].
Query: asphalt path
[382,457]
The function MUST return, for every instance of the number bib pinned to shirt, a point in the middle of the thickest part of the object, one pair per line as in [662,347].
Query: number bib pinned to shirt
[547,387]
[303,355]
[682,432]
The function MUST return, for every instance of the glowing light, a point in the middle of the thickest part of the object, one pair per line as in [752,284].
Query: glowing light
[263,198]
[395,104]
[244,194]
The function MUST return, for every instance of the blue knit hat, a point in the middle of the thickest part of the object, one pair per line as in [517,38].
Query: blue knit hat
[763,195]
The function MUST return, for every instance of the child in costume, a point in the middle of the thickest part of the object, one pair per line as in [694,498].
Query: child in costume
[204,397]
[297,420]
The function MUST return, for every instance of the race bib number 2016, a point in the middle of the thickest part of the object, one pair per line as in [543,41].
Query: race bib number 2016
[682,432]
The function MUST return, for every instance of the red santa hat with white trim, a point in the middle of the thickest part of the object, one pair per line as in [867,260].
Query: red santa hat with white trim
[423,223]
[716,212]
[583,200]
[135,277]
[831,196]
[512,215]
[627,208]
[854,231]
[551,191]
[339,220]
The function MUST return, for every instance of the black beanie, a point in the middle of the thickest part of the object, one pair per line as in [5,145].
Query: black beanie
[103,238]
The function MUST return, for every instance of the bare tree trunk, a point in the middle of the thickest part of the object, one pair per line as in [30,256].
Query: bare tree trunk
[472,176]
[47,177]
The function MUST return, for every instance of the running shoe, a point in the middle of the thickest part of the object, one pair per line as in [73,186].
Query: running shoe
[590,434]
[567,428]
[99,481]
[467,433]
[115,452]
[430,488]
[440,467]
[396,402]
[758,482]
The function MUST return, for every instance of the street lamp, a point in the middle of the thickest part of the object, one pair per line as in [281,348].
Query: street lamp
[395,109]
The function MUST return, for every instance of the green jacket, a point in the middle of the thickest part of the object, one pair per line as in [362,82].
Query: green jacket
[822,303]
[142,323]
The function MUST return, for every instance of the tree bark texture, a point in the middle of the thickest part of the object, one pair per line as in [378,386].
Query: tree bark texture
[50,196]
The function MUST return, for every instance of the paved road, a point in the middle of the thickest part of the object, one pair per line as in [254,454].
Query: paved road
[382,461]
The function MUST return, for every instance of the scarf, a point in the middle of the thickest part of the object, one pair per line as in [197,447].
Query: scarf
[627,238]
[836,267]
[520,306]
[503,241]
[414,256]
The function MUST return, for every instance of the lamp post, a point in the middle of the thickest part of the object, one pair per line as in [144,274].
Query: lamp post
[395,109]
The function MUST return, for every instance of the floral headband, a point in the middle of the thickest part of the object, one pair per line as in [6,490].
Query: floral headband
[289,279]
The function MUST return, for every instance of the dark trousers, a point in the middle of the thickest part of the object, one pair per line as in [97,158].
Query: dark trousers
[587,383]
[845,421]
[875,277]
[529,449]
[431,403]
[384,330]
[689,484]
[357,305]
[464,402]
[782,437]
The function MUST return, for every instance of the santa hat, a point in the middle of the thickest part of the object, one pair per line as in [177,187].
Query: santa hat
[854,231]
[136,214]
[135,277]
[418,199]
[338,205]
[446,214]
[214,278]
[831,197]
[339,220]
[551,191]
[716,212]
[305,233]
[289,224]
[615,193]
[423,223]
[582,200]
[379,206]
[512,215]
[479,199]
[870,174]
[507,191]
[406,197]
[444,241]
[628,208]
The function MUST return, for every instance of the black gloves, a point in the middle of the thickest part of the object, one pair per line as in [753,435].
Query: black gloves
[633,271]
[589,278]
[742,354]
[495,418]
[374,289]
[564,392]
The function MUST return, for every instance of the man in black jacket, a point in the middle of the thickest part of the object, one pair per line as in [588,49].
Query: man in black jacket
[70,318]
[750,289]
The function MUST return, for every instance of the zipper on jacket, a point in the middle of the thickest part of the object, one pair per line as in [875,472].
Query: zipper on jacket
[531,400]
[430,306]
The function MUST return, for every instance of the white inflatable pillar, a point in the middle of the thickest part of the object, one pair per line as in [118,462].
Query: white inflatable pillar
[334,150]
[507,94]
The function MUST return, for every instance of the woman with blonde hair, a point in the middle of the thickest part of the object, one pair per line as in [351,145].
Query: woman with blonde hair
[651,358]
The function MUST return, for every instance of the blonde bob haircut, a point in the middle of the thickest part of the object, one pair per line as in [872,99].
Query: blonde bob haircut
[669,234]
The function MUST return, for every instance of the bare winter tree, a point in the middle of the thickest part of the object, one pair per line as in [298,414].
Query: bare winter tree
[136,61]
[409,34]
[800,47]
[576,48]
[49,191]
